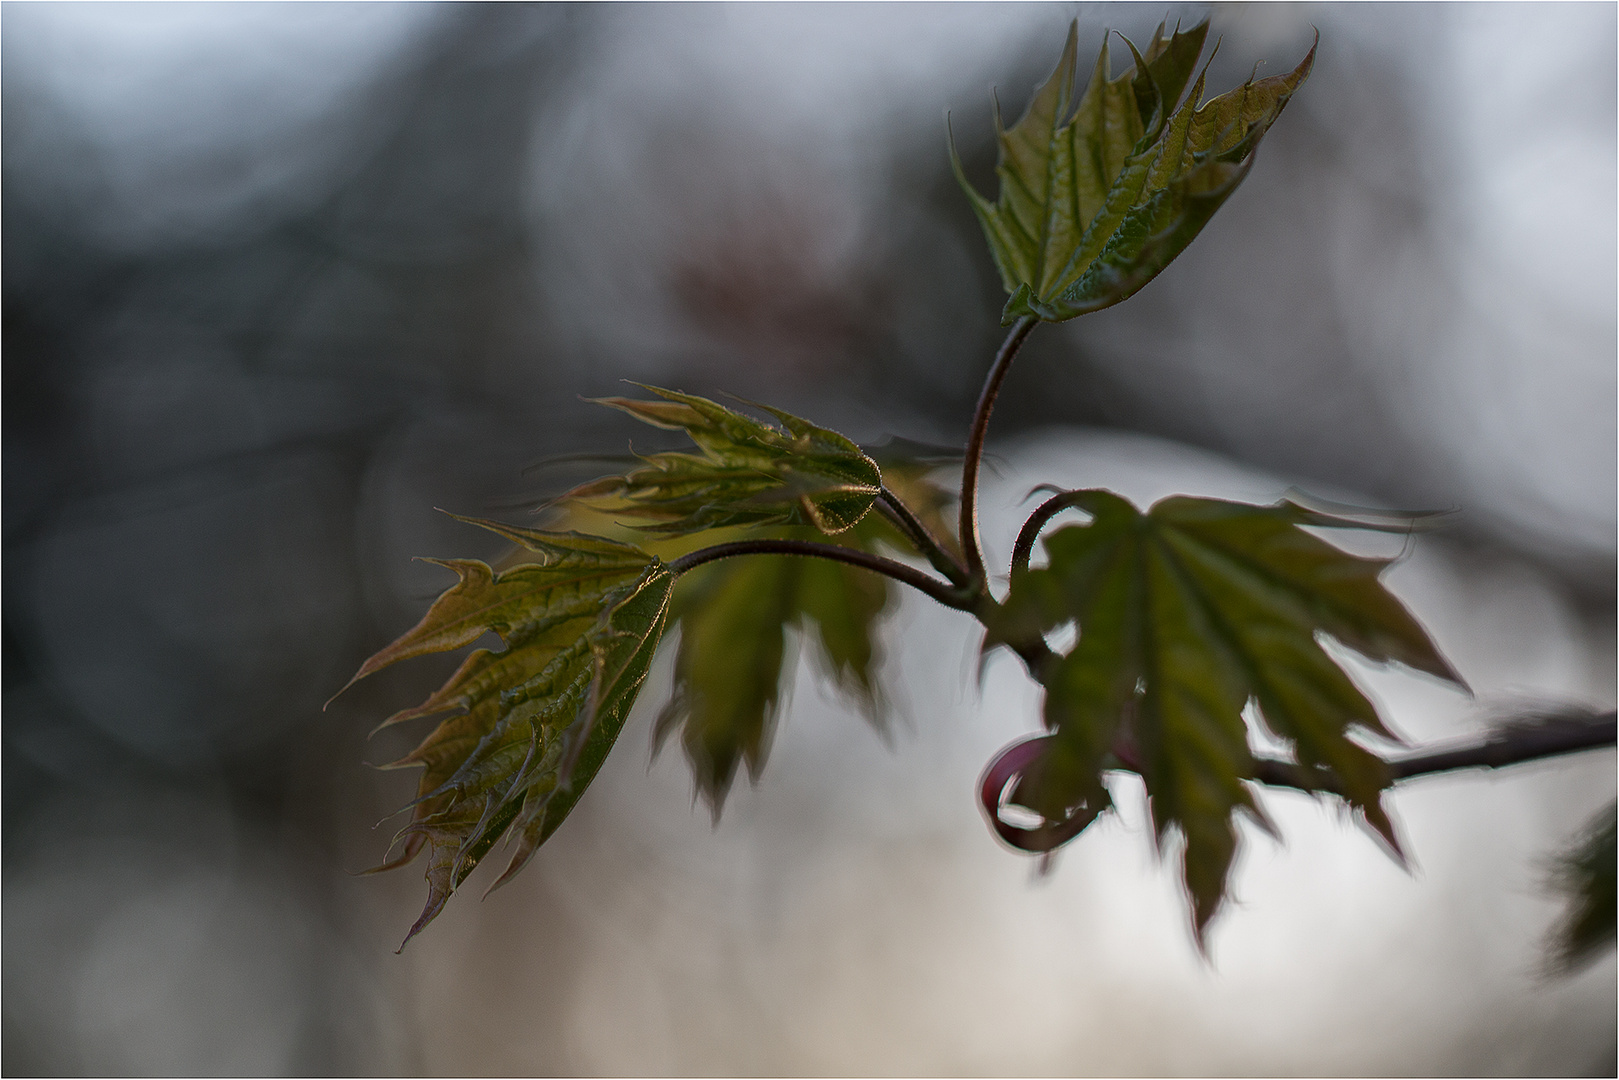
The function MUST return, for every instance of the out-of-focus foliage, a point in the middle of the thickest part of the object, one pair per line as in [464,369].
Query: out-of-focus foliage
[1586,875]
[734,665]
[748,474]
[537,718]
[734,619]
[282,278]
[1186,614]
[1097,197]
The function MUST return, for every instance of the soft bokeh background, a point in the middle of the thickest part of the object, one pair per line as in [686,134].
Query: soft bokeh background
[281,279]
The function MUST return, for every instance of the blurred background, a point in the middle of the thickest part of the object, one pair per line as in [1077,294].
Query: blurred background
[279,280]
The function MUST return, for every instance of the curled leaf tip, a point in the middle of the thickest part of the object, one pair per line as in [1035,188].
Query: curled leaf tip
[999,786]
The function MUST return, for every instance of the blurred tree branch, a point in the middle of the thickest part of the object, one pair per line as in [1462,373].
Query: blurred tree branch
[1515,743]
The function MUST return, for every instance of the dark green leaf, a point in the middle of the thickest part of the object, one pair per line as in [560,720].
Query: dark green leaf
[733,664]
[1096,197]
[535,719]
[731,669]
[749,473]
[1185,615]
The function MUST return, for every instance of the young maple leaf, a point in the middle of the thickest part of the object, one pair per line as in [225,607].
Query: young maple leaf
[736,615]
[732,665]
[1186,614]
[749,473]
[1097,197]
[581,616]
[534,721]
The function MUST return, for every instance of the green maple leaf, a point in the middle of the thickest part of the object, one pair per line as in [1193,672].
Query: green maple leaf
[731,669]
[733,665]
[749,473]
[735,615]
[1097,197]
[536,719]
[1186,614]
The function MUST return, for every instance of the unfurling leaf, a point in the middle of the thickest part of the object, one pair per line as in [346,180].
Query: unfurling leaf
[1185,615]
[1586,875]
[731,669]
[1097,197]
[749,473]
[1007,780]
[536,719]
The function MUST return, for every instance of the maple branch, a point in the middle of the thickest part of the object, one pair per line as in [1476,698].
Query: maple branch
[1512,745]
[945,593]
[894,508]
[970,545]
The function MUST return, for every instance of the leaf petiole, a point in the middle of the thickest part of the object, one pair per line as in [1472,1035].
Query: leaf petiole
[894,508]
[952,596]
[971,546]
[1024,548]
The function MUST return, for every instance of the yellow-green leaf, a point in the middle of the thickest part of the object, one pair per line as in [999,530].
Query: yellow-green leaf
[535,719]
[1185,615]
[749,472]
[1096,197]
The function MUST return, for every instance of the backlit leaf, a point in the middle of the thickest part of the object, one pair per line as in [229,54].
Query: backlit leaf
[534,720]
[1186,614]
[733,666]
[749,472]
[1097,196]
